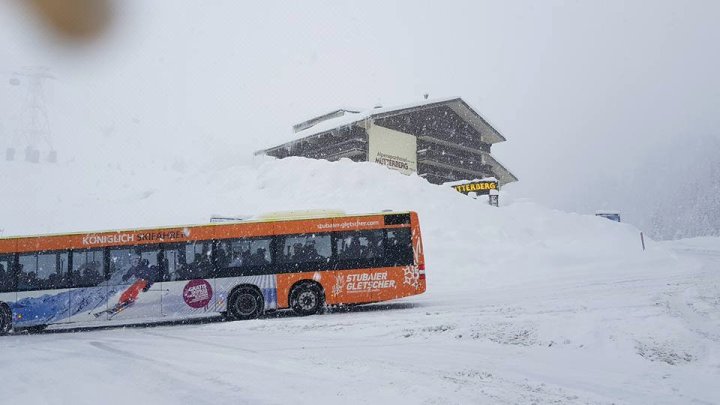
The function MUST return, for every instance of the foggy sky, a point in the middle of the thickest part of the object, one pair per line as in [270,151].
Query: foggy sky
[586,92]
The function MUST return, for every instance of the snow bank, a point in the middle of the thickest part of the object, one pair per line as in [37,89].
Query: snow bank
[464,238]
[524,304]
[462,235]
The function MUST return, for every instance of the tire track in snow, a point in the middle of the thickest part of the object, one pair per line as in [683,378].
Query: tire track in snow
[698,304]
[200,342]
[193,376]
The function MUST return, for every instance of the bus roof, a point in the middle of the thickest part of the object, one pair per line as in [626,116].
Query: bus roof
[262,218]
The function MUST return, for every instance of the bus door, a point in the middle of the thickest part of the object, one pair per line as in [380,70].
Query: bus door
[360,259]
[187,283]
[43,296]
[134,290]
[399,256]
[7,279]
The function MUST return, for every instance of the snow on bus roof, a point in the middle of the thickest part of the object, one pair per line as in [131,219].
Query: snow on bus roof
[265,217]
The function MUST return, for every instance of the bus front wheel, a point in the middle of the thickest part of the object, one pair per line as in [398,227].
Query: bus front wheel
[5,320]
[306,298]
[245,303]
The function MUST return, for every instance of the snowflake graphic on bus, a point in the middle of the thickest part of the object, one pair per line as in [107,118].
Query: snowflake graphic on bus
[412,275]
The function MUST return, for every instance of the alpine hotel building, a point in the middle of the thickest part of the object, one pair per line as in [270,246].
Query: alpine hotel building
[441,140]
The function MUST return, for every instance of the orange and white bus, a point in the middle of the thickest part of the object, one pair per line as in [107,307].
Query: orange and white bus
[238,269]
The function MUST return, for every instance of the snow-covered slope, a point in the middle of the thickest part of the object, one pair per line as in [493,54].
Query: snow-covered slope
[463,237]
[72,197]
[524,304]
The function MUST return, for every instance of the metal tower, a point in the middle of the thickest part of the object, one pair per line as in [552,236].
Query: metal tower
[34,129]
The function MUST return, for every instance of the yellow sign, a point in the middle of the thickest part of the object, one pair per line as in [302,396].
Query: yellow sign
[480,187]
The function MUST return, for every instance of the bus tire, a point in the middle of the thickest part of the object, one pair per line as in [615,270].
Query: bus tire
[307,298]
[245,302]
[5,319]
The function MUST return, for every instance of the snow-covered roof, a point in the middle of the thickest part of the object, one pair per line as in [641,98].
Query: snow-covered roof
[344,120]
[350,117]
[322,118]
[503,173]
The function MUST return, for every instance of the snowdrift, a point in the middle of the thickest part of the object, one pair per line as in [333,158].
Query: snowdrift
[463,237]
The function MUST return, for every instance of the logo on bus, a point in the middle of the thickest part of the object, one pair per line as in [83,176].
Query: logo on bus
[363,282]
[197,293]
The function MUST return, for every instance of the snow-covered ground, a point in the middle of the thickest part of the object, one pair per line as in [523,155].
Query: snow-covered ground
[524,304]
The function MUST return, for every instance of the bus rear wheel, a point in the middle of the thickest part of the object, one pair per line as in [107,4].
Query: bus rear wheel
[5,320]
[245,303]
[307,298]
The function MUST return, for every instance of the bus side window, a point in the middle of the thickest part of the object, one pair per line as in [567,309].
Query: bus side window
[174,258]
[43,271]
[359,245]
[129,264]
[306,248]
[88,268]
[189,261]
[241,257]
[6,274]
[398,247]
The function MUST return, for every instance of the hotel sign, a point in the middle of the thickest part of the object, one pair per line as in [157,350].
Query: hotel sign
[478,187]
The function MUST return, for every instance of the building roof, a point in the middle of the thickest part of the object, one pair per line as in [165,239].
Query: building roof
[325,117]
[341,118]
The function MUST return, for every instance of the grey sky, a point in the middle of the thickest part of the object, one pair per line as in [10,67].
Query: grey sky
[582,90]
